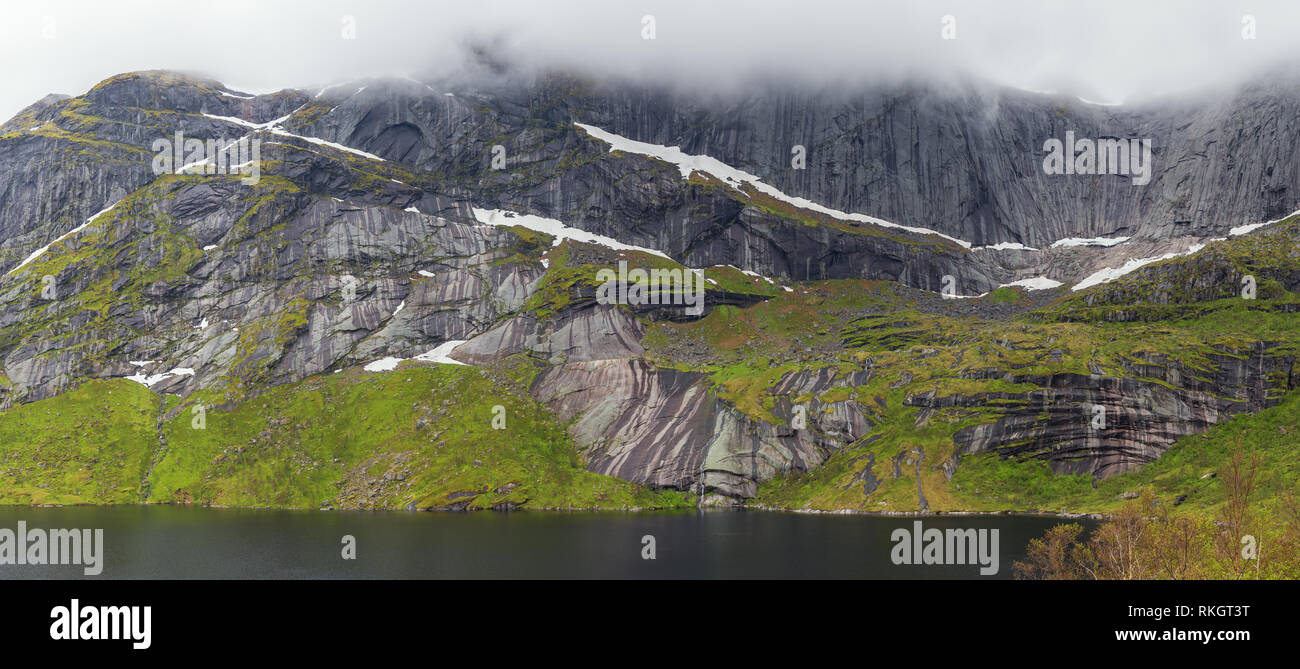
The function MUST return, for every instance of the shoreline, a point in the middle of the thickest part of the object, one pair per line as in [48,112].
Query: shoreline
[1068,515]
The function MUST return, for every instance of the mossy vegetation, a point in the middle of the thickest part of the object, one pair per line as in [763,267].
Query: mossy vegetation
[90,445]
[421,436]
[573,270]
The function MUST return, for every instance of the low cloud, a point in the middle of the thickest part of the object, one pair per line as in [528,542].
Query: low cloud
[1108,50]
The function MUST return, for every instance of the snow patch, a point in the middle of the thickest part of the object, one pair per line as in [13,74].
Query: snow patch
[442,353]
[1089,241]
[274,128]
[383,365]
[322,91]
[736,178]
[38,252]
[439,354]
[1243,229]
[1036,283]
[333,145]
[1005,246]
[1111,273]
[249,124]
[149,381]
[550,226]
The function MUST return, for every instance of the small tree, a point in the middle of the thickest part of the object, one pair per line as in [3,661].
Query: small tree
[1179,545]
[1119,548]
[1053,556]
[1145,540]
[1236,519]
[1284,549]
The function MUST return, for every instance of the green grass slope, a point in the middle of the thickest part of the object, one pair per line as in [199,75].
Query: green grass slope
[91,445]
[416,437]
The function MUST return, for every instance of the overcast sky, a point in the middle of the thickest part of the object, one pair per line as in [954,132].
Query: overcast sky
[1112,50]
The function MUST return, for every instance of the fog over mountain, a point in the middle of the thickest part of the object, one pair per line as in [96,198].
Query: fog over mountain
[1105,51]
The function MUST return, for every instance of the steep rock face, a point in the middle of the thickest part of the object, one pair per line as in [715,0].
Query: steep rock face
[965,160]
[252,286]
[636,423]
[745,451]
[553,168]
[1103,425]
[670,429]
[969,162]
[595,333]
[64,159]
[703,223]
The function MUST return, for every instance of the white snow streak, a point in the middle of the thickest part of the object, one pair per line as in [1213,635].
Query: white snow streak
[550,226]
[439,355]
[148,381]
[383,365]
[274,128]
[38,252]
[1005,246]
[1243,229]
[1089,241]
[735,178]
[1036,283]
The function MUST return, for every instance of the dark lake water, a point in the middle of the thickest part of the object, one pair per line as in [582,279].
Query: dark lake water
[179,542]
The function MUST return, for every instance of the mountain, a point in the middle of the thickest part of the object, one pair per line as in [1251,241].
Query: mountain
[403,306]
